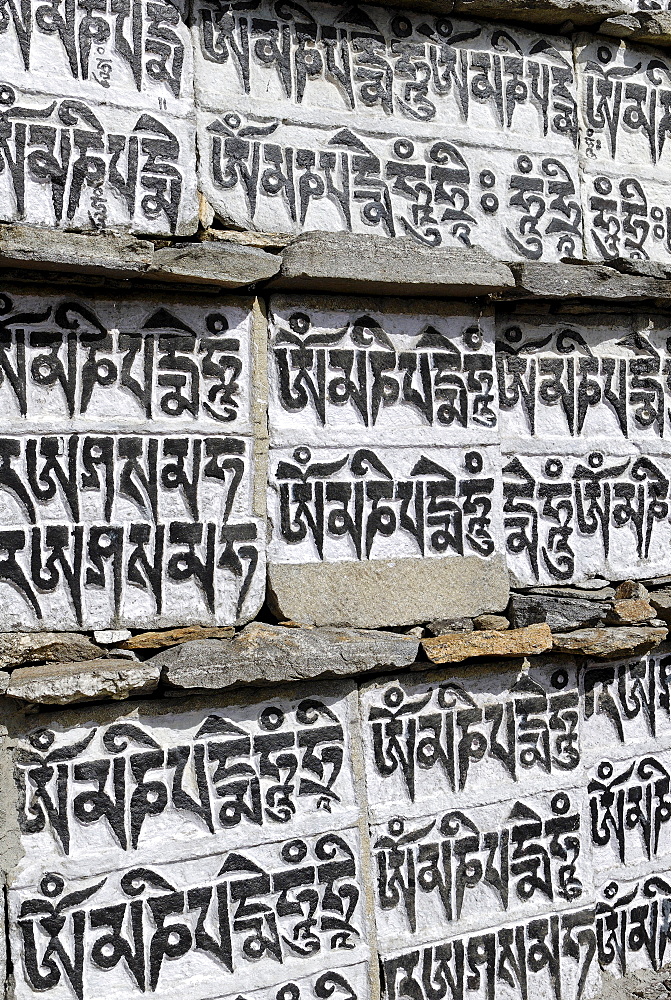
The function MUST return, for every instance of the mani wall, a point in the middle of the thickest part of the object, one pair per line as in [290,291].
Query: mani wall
[335,500]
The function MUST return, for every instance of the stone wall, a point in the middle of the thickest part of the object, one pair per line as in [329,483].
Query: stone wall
[335,500]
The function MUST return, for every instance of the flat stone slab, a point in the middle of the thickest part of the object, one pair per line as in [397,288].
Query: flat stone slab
[42,248]
[558,612]
[371,264]
[51,647]
[272,654]
[609,643]
[226,265]
[387,591]
[562,281]
[175,636]
[457,646]
[92,680]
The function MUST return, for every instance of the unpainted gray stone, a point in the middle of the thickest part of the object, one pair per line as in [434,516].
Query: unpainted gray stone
[661,602]
[45,647]
[263,654]
[227,265]
[622,26]
[586,281]
[387,592]
[441,626]
[559,612]
[42,248]
[372,264]
[602,594]
[93,680]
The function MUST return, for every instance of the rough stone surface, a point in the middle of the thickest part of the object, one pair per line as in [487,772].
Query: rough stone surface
[630,611]
[559,612]
[226,265]
[45,647]
[92,680]
[561,281]
[387,592]
[41,248]
[609,643]
[661,602]
[484,622]
[439,627]
[631,589]
[602,594]
[265,241]
[110,637]
[175,636]
[462,646]
[271,654]
[370,264]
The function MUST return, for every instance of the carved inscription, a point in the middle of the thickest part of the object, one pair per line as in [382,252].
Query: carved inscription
[154,523]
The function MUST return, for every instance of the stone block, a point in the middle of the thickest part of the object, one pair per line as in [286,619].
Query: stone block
[369,264]
[618,162]
[284,149]
[223,264]
[559,612]
[609,643]
[457,646]
[485,622]
[91,680]
[661,602]
[375,452]
[630,612]
[175,636]
[37,247]
[181,836]
[587,281]
[271,654]
[133,457]
[110,637]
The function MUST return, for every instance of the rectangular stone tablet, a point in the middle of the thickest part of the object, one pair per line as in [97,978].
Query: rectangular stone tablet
[129,461]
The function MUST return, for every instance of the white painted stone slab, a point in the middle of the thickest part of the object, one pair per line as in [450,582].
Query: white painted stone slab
[135,54]
[380,373]
[128,476]
[270,174]
[569,518]
[187,783]
[460,870]
[349,983]
[206,927]
[592,381]
[459,739]
[95,166]
[631,923]
[625,148]
[354,504]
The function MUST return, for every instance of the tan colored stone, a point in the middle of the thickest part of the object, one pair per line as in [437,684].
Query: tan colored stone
[629,589]
[609,643]
[485,623]
[457,646]
[176,636]
[630,611]
[17,648]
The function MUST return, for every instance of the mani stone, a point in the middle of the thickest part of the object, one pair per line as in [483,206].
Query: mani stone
[452,648]
[558,612]
[45,647]
[175,636]
[271,654]
[37,247]
[384,592]
[609,643]
[372,264]
[224,264]
[630,611]
[93,680]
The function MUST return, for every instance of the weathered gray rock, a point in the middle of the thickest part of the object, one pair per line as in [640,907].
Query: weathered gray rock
[654,28]
[609,643]
[622,26]
[559,612]
[657,582]
[586,281]
[602,594]
[387,592]
[484,623]
[227,265]
[661,602]
[45,647]
[441,626]
[93,680]
[35,247]
[456,646]
[247,238]
[262,654]
[557,12]
[371,264]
